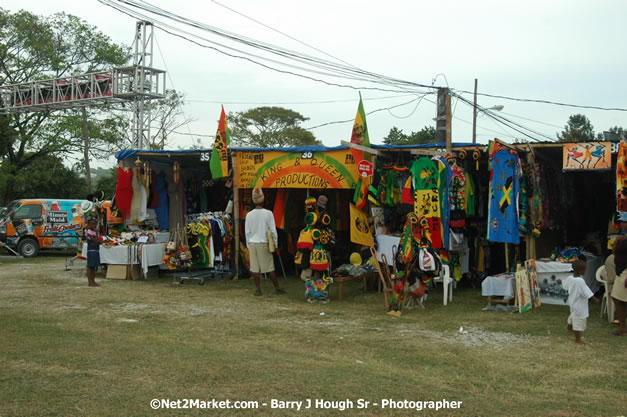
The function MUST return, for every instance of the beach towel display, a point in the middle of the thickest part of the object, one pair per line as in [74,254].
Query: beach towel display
[427,200]
[503,198]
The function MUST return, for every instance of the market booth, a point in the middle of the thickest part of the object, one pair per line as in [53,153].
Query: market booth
[171,214]
[288,176]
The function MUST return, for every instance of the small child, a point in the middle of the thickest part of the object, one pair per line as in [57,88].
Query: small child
[578,295]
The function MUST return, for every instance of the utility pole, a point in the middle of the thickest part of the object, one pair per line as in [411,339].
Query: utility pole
[474,116]
[440,124]
[443,120]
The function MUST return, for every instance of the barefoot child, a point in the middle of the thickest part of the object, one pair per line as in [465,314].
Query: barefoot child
[578,295]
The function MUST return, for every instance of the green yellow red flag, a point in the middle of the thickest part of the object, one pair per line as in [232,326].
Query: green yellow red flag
[359,134]
[219,163]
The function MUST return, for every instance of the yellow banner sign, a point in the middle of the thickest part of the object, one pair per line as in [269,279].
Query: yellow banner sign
[275,169]
[587,156]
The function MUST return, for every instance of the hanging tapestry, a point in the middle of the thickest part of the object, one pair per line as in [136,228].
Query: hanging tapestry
[360,230]
[457,198]
[503,204]
[621,181]
[444,182]
[586,156]
[427,200]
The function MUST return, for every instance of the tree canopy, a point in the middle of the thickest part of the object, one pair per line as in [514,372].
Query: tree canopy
[47,177]
[397,137]
[269,127]
[35,47]
[577,129]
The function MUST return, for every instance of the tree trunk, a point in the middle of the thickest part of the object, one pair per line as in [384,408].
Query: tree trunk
[86,150]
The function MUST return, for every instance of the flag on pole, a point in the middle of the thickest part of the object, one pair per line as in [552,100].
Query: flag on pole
[360,134]
[219,163]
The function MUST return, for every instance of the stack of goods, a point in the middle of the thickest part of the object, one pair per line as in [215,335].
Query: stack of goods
[177,254]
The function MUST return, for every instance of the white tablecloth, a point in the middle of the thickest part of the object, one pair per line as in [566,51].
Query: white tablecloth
[499,285]
[561,270]
[151,255]
[385,245]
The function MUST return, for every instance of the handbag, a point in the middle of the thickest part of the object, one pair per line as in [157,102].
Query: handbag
[270,236]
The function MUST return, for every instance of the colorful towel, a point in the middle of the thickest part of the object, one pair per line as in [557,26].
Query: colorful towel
[503,207]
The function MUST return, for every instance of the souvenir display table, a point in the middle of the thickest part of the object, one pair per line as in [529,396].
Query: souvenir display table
[547,270]
[501,285]
[385,245]
[148,254]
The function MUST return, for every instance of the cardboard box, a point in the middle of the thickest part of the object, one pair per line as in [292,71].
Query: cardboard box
[130,272]
[116,271]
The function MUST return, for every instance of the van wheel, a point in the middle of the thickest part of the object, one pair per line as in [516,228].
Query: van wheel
[28,248]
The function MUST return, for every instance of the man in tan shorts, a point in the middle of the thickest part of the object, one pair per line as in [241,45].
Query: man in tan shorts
[258,222]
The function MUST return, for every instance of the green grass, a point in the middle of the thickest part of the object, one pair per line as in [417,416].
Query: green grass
[70,350]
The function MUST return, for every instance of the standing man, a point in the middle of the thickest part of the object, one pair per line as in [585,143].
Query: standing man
[258,223]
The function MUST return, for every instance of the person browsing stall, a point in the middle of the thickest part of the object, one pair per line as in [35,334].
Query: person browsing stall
[258,222]
[578,295]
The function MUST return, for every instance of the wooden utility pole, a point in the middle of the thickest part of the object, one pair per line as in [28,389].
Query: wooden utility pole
[474,116]
[86,149]
[449,117]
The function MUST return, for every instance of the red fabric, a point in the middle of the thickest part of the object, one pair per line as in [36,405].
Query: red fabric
[124,191]
[155,196]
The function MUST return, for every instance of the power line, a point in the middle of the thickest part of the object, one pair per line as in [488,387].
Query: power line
[298,102]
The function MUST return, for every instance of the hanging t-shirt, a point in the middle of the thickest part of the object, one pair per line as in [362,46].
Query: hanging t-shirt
[503,207]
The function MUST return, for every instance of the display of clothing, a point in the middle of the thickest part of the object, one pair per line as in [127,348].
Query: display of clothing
[503,208]
[161,207]
[124,191]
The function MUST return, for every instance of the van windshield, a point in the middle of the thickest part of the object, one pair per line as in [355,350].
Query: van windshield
[11,208]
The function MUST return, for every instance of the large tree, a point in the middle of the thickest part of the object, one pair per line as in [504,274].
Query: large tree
[397,137]
[35,47]
[48,177]
[577,129]
[269,127]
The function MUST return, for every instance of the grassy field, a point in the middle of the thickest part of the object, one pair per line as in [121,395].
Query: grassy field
[70,350]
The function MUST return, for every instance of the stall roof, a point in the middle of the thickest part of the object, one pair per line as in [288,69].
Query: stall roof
[129,153]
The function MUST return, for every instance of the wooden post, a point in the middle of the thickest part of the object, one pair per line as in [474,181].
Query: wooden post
[474,116]
[236,219]
[506,257]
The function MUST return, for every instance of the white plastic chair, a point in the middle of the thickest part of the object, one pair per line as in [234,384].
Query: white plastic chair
[447,283]
[607,305]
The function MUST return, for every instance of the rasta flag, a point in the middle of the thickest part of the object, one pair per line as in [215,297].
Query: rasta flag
[359,134]
[219,163]
[503,207]
[427,203]
[360,230]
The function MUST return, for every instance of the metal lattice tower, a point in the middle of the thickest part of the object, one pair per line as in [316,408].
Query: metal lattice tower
[137,84]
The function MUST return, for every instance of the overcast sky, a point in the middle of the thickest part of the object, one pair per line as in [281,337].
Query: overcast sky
[564,51]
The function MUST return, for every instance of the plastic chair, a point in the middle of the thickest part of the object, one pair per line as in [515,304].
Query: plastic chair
[447,283]
[607,305]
